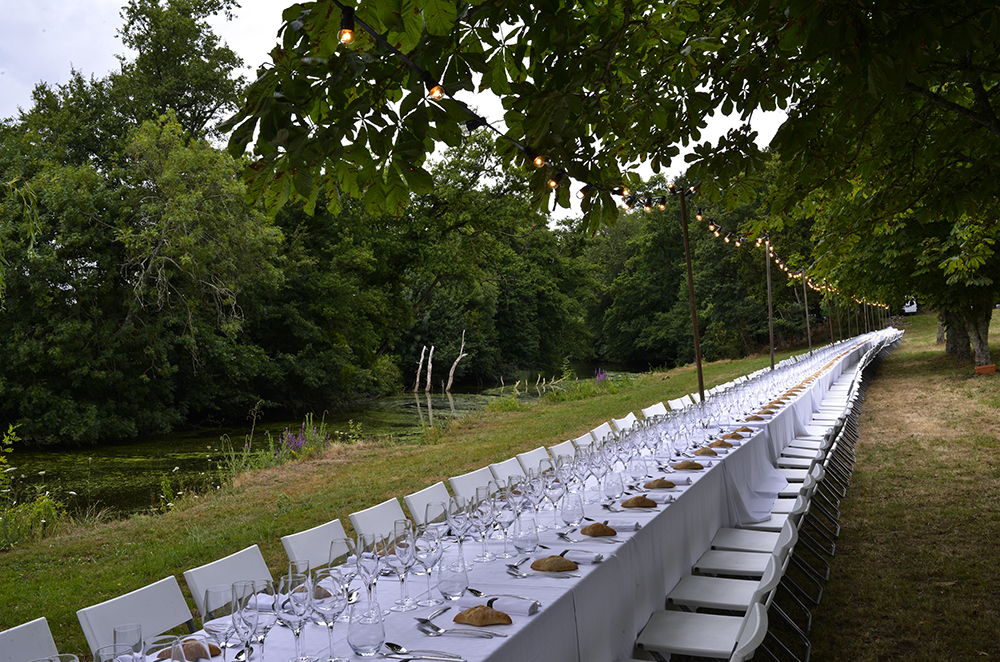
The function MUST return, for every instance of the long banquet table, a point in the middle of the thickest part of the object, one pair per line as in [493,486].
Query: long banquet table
[597,616]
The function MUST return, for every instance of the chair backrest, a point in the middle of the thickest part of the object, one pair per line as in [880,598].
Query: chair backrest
[157,608]
[652,411]
[378,518]
[584,441]
[752,633]
[602,432]
[245,564]
[466,484]
[530,459]
[28,641]
[417,502]
[504,470]
[623,424]
[313,545]
[564,448]
[679,403]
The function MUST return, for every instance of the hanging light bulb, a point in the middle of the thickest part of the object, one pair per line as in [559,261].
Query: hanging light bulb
[629,202]
[699,215]
[663,203]
[738,242]
[434,89]
[711,227]
[346,34]
[647,204]
[716,233]
[556,179]
[538,160]
[727,237]
[584,192]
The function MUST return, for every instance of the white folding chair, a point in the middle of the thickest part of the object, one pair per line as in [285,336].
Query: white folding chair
[313,545]
[466,484]
[157,608]
[28,641]
[679,403]
[502,471]
[417,502]
[584,441]
[529,459]
[564,448]
[732,638]
[621,425]
[378,518]
[652,411]
[602,432]
[245,564]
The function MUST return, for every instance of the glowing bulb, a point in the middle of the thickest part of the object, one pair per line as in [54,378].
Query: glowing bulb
[345,36]
[555,180]
[727,238]
[436,93]
[539,161]
[737,242]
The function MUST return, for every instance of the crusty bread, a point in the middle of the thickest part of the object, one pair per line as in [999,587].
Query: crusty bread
[708,452]
[767,412]
[744,428]
[755,417]
[598,529]
[639,502]
[193,650]
[719,443]
[482,615]
[688,464]
[732,435]
[659,484]
[553,564]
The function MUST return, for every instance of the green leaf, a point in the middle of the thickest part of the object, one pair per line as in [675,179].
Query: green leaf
[439,16]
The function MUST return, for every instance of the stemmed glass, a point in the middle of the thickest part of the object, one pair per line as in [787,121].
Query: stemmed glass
[344,557]
[554,487]
[505,512]
[436,517]
[264,603]
[328,599]
[244,613]
[218,615]
[599,467]
[113,653]
[481,514]
[572,509]
[371,560]
[293,608]
[427,551]
[536,494]
[458,520]
[401,559]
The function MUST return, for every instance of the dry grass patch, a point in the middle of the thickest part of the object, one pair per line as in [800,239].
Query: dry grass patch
[915,576]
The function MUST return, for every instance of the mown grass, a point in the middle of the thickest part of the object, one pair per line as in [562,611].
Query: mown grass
[915,575]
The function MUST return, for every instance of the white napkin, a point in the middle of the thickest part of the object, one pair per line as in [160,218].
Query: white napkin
[505,603]
[623,526]
[660,497]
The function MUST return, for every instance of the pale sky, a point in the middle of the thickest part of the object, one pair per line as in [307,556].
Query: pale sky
[43,40]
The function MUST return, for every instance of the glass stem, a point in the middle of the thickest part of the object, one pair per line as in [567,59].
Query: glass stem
[329,630]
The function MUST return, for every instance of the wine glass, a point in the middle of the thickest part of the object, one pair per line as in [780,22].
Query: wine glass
[244,614]
[263,602]
[163,647]
[371,560]
[114,653]
[427,548]
[525,535]
[329,600]
[366,631]
[453,579]
[130,634]
[344,557]
[401,560]
[458,520]
[554,488]
[505,512]
[218,622]
[436,516]
[481,514]
[614,486]
[293,608]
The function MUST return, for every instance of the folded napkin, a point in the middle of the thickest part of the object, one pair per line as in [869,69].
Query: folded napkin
[660,497]
[624,526]
[508,604]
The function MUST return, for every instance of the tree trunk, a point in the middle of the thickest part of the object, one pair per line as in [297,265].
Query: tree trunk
[957,337]
[977,324]
[430,356]
[420,365]
[941,329]
[451,373]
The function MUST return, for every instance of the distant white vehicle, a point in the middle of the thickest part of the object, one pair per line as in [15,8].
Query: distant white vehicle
[910,307]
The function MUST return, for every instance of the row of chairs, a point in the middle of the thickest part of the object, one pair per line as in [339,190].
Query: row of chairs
[161,607]
[755,587]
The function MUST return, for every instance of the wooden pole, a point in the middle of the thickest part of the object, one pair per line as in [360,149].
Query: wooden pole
[694,311]
[770,306]
[805,298]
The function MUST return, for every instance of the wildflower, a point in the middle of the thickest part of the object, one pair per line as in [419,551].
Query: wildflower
[41,473]
[71,492]
[177,468]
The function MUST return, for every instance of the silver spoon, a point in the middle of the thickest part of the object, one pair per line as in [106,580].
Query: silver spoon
[396,648]
[434,614]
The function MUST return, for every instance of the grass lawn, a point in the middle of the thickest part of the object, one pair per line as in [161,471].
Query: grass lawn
[913,576]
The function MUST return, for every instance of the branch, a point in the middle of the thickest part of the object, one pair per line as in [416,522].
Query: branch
[986,121]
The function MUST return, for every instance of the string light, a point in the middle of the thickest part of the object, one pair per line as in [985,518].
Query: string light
[584,192]
[647,204]
[556,179]
[346,34]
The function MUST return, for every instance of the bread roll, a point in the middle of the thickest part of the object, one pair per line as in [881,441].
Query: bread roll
[744,428]
[688,464]
[482,615]
[719,443]
[707,452]
[732,435]
[659,484]
[639,502]
[554,564]
[598,529]
[755,417]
